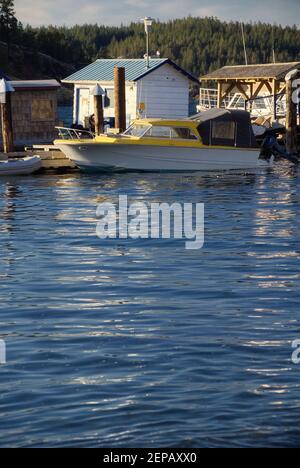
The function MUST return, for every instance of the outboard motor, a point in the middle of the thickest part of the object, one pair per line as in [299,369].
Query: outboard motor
[270,147]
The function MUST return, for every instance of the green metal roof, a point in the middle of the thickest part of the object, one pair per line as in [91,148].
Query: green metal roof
[135,69]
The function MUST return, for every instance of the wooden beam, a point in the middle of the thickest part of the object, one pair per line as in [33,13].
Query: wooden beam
[268,86]
[228,90]
[241,90]
[274,93]
[282,87]
[258,89]
[220,100]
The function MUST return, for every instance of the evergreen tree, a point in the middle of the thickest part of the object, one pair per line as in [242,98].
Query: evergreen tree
[198,44]
[8,22]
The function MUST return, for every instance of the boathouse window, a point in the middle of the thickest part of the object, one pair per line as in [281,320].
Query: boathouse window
[42,110]
[109,98]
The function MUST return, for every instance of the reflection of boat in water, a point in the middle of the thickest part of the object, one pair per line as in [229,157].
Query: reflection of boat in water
[23,166]
[217,140]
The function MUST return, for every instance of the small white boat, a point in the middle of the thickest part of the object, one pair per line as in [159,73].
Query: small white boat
[217,140]
[22,166]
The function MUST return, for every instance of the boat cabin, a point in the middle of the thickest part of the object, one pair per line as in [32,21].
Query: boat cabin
[217,127]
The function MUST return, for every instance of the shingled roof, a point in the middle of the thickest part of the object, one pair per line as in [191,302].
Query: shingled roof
[274,71]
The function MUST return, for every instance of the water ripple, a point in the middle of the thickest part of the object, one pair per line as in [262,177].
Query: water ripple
[140,342]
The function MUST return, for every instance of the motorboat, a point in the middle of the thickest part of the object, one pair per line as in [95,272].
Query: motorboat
[216,140]
[20,166]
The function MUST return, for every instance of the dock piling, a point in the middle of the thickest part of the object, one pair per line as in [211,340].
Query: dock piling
[98,94]
[120,99]
[291,113]
[6,116]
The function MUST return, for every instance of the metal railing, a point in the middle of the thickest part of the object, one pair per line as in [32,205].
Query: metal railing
[208,99]
[267,105]
[74,134]
[261,106]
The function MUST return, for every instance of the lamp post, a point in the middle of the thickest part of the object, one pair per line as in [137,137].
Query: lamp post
[147,23]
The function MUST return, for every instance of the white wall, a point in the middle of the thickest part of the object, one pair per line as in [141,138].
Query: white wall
[84,101]
[164,93]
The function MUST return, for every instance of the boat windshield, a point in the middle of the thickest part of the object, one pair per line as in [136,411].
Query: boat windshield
[172,133]
[137,130]
[161,131]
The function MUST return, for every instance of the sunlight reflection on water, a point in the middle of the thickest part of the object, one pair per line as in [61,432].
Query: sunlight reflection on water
[141,342]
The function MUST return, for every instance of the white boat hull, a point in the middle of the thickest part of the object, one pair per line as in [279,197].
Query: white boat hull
[159,158]
[24,166]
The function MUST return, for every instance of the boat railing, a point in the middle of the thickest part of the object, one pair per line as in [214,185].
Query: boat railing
[65,133]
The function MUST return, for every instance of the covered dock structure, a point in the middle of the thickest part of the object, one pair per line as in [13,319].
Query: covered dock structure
[252,81]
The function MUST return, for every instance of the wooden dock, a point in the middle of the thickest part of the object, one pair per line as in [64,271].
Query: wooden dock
[51,156]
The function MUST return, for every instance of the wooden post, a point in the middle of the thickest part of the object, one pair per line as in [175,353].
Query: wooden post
[220,100]
[98,92]
[291,113]
[6,116]
[120,99]
[274,92]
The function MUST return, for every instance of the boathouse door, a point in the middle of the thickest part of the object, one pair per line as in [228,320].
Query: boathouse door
[83,111]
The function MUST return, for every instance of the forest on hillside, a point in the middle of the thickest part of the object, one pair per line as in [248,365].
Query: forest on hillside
[197,44]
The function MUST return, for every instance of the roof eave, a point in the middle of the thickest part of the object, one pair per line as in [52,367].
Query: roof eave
[92,82]
[213,78]
[166,61]
[174,65]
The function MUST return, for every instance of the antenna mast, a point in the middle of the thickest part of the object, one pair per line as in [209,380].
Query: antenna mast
[273,42]
[244,43]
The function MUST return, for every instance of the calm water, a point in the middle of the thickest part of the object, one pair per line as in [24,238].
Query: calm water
[143,343]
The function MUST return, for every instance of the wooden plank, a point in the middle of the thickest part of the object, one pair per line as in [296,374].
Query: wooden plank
[51,158]
[219,99]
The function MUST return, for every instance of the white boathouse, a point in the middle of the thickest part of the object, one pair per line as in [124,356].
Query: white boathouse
[161,89]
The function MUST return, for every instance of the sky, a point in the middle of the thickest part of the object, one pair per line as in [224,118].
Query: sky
[115,12]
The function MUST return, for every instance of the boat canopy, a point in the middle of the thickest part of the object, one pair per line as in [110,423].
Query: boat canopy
[225,127]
